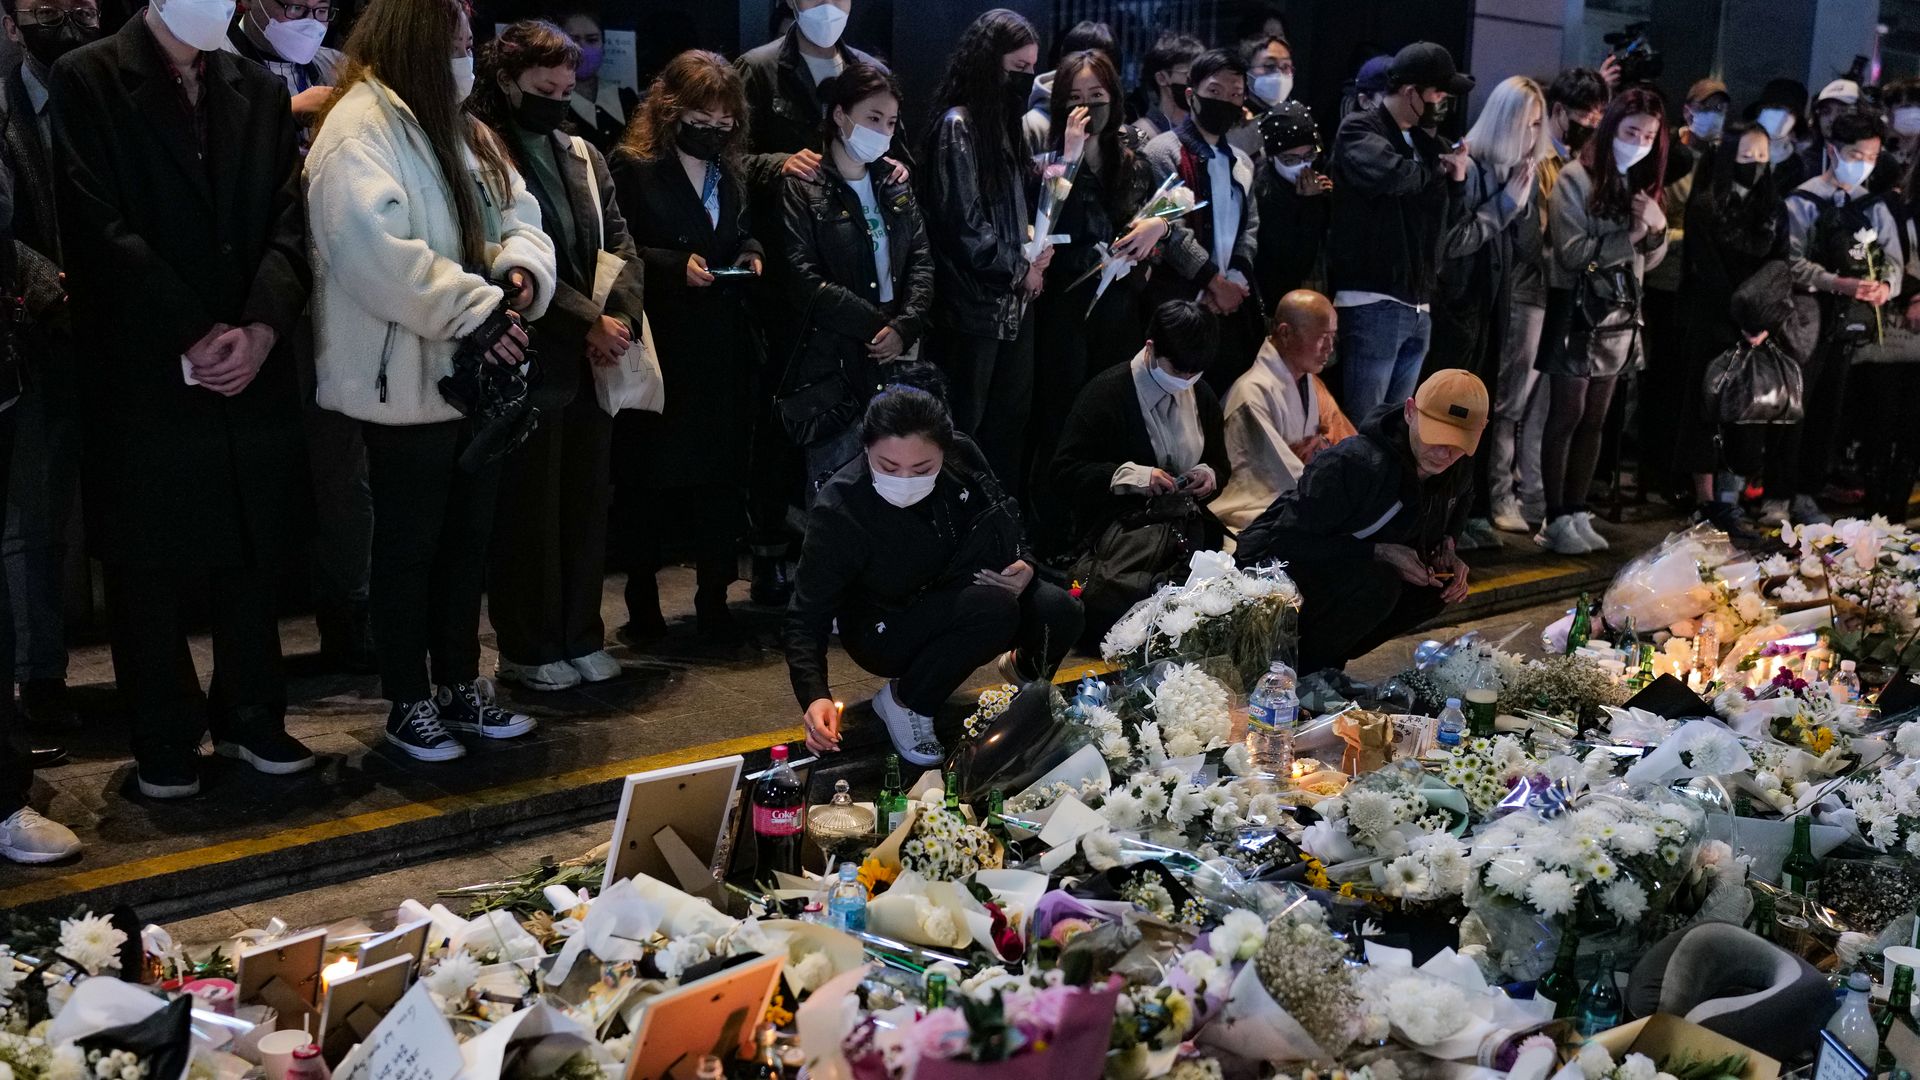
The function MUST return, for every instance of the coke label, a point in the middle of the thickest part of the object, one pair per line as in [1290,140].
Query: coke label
[776,821]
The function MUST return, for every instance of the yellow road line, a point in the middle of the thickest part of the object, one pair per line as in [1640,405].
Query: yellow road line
[1527,576]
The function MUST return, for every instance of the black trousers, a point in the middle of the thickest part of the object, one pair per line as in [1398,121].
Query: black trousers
[431,524]
[1350,607]
[990,389]
[706,519]
[933,646]
[1819,433]
[1663,395]
[16,762]
[550,538]
[148,607]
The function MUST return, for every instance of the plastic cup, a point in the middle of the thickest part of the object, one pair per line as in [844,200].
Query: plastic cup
[276,1051]
[1895,955]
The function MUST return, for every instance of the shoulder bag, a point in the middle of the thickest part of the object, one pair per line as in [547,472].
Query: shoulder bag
[1755,384]
[636,381]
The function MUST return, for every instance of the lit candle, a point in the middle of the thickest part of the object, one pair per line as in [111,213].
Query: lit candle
[337,970]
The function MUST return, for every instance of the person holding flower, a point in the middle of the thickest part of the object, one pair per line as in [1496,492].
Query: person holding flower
[918,554]
[1843,245]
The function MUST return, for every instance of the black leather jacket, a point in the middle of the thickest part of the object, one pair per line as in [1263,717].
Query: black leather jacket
[783,106]
[977,257]
[828,272]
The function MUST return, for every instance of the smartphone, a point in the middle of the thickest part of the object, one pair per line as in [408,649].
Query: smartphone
[730,271]
[1183,483]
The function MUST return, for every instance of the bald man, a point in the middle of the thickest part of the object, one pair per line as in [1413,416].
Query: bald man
[1279,415]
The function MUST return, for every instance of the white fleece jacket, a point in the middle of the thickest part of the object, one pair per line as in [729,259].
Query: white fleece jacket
[389,294]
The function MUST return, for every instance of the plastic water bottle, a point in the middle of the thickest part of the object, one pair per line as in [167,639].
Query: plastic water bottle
[1846,684]
[1853,1024]
[1273,711]
[1452,725]
[847,903]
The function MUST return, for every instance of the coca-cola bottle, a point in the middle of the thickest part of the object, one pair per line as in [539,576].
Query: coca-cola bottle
[777,810]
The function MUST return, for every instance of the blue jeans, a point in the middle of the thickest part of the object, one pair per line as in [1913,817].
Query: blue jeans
[1381,346]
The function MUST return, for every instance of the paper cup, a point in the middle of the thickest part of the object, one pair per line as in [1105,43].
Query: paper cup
[1895,955]
[276,1051]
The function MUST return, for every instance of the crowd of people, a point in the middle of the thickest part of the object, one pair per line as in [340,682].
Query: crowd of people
[1008,354]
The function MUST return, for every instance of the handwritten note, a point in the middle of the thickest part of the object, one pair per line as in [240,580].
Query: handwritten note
[412,1043]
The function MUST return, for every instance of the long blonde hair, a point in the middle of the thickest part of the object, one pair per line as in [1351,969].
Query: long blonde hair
[1500,139]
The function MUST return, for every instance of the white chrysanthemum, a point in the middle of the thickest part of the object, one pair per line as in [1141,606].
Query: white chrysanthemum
[1178,623]
[1115,747]
[1188,803]
[1551,893]
[1185,744]
[1369,814]
[1123,809]
[454,975]
[1594,1061]
[1153,799]
[1626,900]
[1638,1067]
[1238,937]
[92,942]
[813,969]
[1128,635]
[1101,848]
[1907,739]
[1408,876]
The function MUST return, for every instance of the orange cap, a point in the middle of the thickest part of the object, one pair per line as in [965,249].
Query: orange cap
[1452,407]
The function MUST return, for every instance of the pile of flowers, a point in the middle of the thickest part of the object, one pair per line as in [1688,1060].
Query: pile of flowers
[1220,611]
[944,846]
[1870,572]
[1604,863]
[1485,769]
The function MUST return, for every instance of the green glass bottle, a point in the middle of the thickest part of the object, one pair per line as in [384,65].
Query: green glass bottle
[936,990]
[1800,873]
[1899,1007]
[1765,915]
[1582,629]
[1562,985]
[892,804]
[996,821]
[953,791]
[1600,1003]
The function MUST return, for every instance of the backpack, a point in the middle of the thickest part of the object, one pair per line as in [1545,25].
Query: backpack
[1831,245]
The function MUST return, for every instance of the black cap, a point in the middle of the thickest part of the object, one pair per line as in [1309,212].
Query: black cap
[1425,64]
[1288,125]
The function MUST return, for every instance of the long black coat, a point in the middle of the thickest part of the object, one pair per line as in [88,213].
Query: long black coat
[162,242]
[709,348]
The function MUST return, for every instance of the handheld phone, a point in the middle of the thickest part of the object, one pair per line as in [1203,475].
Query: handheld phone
[1183,483]
[730,271]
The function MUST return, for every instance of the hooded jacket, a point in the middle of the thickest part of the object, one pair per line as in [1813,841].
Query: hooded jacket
[1390,203]
[1359,494]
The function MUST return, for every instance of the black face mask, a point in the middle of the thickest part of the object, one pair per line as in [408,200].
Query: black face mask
[1216,117]
[1019,88]
[540,114]
[1748,174]
[1178,90]
[701,141]
[49,43]
[1434,112]
[1098,113]
[1577,135]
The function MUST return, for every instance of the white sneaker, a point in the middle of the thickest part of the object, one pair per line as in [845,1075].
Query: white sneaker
[1507,516]
[1774,512]
[555,676]
[27,837]
[1583,524]
[912,733]
[1561,537]
[597,666]
[1007,666]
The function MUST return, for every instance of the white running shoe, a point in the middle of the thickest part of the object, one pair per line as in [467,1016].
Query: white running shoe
[912,733]
[1508,518]
[1562,537]
[1583,524]
[559,675]
[597,666]
[27,837]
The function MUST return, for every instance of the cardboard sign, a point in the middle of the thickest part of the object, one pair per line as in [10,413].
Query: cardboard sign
[620,64]
[715,1015]
[413,1042]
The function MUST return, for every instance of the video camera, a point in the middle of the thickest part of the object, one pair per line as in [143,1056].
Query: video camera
[1639,61]
[495,397]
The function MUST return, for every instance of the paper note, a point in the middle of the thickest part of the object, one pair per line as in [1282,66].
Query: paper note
[412,1043]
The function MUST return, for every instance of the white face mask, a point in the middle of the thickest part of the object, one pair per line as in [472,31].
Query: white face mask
[866,145]
[295,41]
[903,491]
[1775,121]
[462,78]
[1851,174]
[1627,154]
[1906,120]
[1273,89]
[822,25]
[199,23]
[1287,172]
[1706,125]
[1168,381]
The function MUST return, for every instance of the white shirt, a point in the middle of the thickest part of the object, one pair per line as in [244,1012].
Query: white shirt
[1361,298]
[1173,426]
[1225,200]
[877,230]
[1266,412]
[823,68]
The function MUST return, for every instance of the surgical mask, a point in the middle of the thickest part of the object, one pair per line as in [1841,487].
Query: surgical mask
[822,25]
[296,41]
[591,57]
[1577,135]
[1273,89]
[1168,381]
[539,114]
[1851,174]
[1627,153]
[702,141]
[462,78]
[1775,121]
[1748,174]
[1098,113]
[1216,117]
[200,23]
[49,43]
[1707,124]
[1290,173]
[1906,120]
[1019,90]
[904,491]
[1779,150]
[866,145]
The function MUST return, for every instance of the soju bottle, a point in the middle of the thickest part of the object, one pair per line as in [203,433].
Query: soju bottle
[1600,1003]
[1899,1008]
[1801,871]
[1765,917]
[1582,629]
[936,990]
[996,823]
[1562,985]
[892,803]
[953,791]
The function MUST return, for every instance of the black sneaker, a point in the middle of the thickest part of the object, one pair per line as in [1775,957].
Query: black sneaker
[273,752]
[1730,519]
[469,707]
[771,586]
[45,704]
[169,774]
[416,728]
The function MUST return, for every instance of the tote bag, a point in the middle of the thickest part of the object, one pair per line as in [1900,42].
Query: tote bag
[635,381]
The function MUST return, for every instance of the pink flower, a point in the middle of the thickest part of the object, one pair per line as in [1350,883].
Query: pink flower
[939,1034]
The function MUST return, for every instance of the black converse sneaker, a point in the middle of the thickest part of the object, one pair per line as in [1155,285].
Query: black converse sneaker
[415,727]
[469,707]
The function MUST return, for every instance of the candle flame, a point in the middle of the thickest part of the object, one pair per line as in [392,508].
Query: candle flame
[337,970]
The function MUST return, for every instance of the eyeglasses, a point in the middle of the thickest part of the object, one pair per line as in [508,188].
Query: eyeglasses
[319,14]
[55,17]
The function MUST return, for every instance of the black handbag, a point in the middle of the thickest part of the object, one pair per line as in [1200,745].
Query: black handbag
[1138,552]
[821,408]
[1755,384]
[1602,292]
